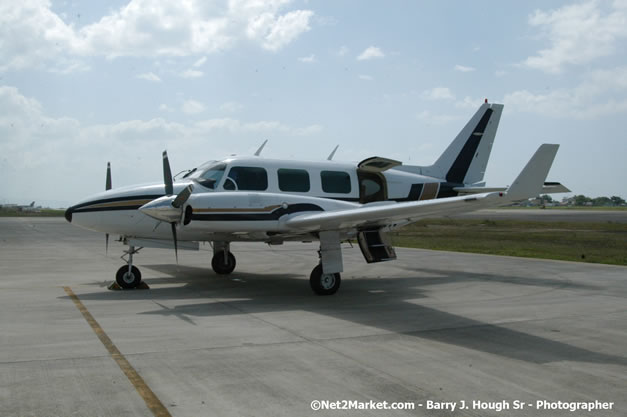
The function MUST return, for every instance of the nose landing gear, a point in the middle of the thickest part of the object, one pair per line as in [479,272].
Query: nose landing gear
[128,276]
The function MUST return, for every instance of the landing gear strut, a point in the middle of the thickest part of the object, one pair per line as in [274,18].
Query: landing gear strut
[128,276]
[223,261]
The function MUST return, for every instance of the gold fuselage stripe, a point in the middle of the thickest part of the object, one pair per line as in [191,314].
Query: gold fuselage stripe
[237,210]
[116,204]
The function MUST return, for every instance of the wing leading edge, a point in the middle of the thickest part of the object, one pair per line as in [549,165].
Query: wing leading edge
[527,184]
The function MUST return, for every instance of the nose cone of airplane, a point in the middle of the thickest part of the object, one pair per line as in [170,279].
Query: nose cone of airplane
[68,214]
[162,209]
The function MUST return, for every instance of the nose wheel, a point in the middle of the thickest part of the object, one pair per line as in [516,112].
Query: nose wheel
[128,276]
[324,284]
[128,279]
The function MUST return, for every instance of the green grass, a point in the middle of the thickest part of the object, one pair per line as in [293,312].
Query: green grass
[583,242]
[608,208]
[42,213]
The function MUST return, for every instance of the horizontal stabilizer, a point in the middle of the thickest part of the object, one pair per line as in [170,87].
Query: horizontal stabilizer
[548,188]
[530,181]
[554,187]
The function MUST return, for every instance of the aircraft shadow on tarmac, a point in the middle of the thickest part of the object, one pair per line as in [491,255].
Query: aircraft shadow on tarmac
[386,303]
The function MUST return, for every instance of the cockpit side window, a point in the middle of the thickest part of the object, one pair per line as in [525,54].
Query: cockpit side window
[211,176]
[249,178]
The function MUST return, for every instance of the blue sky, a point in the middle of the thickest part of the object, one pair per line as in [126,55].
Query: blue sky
[83,83]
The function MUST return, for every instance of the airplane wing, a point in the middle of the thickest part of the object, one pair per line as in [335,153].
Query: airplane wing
[393,213]
[529,183]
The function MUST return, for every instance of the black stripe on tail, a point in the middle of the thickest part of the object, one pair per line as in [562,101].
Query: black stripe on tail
[458,170]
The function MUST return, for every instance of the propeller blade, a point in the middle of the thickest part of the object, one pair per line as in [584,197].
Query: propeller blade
[107,244]
[182,197]
[167,175]
[108,183]
[176,246]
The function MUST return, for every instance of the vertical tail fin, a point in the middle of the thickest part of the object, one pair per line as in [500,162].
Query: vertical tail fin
[530,181]
[466,158]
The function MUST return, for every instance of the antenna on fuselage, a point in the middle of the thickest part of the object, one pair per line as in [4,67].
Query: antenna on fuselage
[261,148]
[332,154]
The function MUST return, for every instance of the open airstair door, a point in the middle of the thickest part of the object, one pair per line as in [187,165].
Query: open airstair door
[378,164]
[372,184]
[375,246]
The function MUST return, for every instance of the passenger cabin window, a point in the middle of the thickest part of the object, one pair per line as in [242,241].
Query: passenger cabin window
[210,176]
[247,178]
[293,180]
[335,182]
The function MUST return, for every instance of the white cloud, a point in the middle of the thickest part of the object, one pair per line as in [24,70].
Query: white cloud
[438,93]
[33,35]
[263,127]
[200,62]
[192,107]
[372,52]
[149,76]
[274,32]
[469,103]
[462,68]
[191,73]
[436,118]
[33,142]
[578,33]
[231,106]
[365,77]
[165,107]
[600,93]
[308,59]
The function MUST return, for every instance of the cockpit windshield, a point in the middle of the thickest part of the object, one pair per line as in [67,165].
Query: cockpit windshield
[209,174]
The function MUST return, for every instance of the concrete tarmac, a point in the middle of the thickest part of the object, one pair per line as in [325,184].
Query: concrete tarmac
[431,326]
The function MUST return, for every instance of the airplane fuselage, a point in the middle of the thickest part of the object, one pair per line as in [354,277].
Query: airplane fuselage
[249,198]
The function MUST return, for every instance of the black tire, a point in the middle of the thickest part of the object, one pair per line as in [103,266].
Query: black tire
[126,280]
[324,284]
[218,265]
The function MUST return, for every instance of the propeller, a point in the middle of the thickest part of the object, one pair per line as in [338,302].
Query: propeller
[167,175]
[107,187]
[168,208]
[108,183]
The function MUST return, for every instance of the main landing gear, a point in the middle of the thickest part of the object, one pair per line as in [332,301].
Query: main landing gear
[324,284]
[223,261]
[325,278]
[128,276]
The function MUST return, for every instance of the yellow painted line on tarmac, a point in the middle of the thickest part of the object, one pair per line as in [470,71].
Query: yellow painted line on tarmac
[149,397]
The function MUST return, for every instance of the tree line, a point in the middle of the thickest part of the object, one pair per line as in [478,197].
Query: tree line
[582,200]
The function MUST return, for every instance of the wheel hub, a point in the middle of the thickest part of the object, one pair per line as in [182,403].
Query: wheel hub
[128,277]
[327,281]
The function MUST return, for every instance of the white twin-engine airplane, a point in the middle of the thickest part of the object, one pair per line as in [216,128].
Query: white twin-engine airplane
[272,201]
